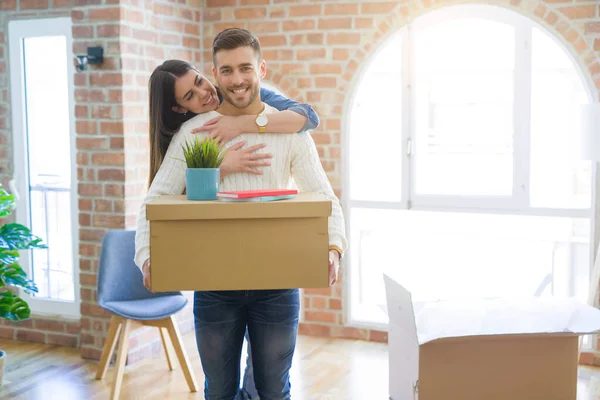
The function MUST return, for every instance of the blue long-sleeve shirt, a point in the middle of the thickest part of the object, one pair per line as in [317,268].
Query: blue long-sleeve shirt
[283,103]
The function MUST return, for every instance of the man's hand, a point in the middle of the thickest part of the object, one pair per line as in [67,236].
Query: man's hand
[146,272]
[334,266]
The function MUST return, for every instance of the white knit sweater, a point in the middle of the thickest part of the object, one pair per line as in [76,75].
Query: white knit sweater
[295,159]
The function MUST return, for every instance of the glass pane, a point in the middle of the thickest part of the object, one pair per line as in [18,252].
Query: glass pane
[376,127]
[559,178]
[464,108]
[443,256]
[49,162]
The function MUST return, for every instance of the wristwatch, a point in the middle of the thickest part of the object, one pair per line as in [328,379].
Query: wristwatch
[261,121]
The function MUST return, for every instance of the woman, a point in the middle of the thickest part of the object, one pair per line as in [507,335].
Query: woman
[170,108]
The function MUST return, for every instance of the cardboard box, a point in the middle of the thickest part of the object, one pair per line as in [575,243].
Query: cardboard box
[213,245]
[493,349]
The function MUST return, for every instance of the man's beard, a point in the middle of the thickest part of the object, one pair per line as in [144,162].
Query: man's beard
[227,96]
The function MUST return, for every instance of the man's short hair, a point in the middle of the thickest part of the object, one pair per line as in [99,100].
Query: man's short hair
[232,38]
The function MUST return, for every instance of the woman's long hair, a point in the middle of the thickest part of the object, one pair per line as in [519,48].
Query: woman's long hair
[164,121]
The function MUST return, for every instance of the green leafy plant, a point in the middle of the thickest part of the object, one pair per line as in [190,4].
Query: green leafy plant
[13,238]
[203,154]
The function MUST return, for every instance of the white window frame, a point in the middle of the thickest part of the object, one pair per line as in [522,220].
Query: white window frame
[18,30]
[517,204]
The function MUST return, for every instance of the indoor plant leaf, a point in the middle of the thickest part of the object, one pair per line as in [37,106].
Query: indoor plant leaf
[18,237]
[13,275]
[12,307]
[7,203]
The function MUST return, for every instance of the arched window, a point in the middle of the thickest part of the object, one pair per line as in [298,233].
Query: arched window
[463,176]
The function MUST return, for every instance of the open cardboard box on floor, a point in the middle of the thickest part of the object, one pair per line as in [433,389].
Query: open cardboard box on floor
[496,349]
[214,245]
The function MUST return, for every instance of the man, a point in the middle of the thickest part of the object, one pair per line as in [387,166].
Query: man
[271,316]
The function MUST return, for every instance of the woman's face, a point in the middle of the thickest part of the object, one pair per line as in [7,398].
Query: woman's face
[193,92]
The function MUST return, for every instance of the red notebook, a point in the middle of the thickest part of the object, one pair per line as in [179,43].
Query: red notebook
[248,194]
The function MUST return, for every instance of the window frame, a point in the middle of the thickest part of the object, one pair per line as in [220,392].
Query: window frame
[517,204]
[18,30]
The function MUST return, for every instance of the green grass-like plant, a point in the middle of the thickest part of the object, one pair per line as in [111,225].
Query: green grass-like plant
[14,238]
[203,154]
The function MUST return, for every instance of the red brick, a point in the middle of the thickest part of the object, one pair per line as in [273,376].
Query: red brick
[192,29]
[578,12]
[250,13]
[273,41]
[134,16]
[299,25]
[108,221]
[220,3]
[85,220]
[316,69]
[31,336]
[319,302]
[310,54]
[106,79]
[305,11]
[262,27]
[254,3]
[326,82]
[307,39]
[378,336]
[320,316]
[378,8]
[85,205]
[108,159]
[73,328]
[314,329]
[341,9]
[335,23]
[7,333]
[8,5]
[91,235]
[114,190]
[83,31]
[49,325]
[279,55]
[88,279]
[104,14]
[335,304]
[81,111]
[343,38]
[33,4]
[86,127]
[89,189]
[108,30]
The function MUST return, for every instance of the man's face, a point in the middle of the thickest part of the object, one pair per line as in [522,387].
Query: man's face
[238,74]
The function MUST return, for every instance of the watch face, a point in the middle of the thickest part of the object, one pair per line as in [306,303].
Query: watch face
[261,120]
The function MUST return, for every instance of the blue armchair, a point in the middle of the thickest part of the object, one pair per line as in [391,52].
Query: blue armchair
[121,292]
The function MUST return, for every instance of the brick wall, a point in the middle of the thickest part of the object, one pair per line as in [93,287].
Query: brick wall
[112,138]
[314,50]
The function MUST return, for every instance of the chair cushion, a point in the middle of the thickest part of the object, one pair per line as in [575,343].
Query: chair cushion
[147,309]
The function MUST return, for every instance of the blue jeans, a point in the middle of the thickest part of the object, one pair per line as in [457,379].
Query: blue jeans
[221,319]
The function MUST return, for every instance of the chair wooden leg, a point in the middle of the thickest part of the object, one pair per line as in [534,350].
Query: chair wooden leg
[164,336]
[121,358]
[109,346]
[173,330]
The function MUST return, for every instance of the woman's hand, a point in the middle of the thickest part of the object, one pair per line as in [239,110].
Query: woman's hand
[225,128]
[237,160]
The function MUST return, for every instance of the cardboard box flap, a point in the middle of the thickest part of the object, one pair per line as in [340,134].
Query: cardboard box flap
[481,317]
[402,340]
[304,205]
[484,317]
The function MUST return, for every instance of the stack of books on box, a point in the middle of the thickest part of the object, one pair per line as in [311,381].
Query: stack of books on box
[257,195]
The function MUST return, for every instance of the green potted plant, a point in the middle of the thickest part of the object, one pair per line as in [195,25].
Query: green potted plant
[13,238]
[202,176]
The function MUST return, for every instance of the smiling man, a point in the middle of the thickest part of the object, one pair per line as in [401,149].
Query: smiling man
[271,316]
